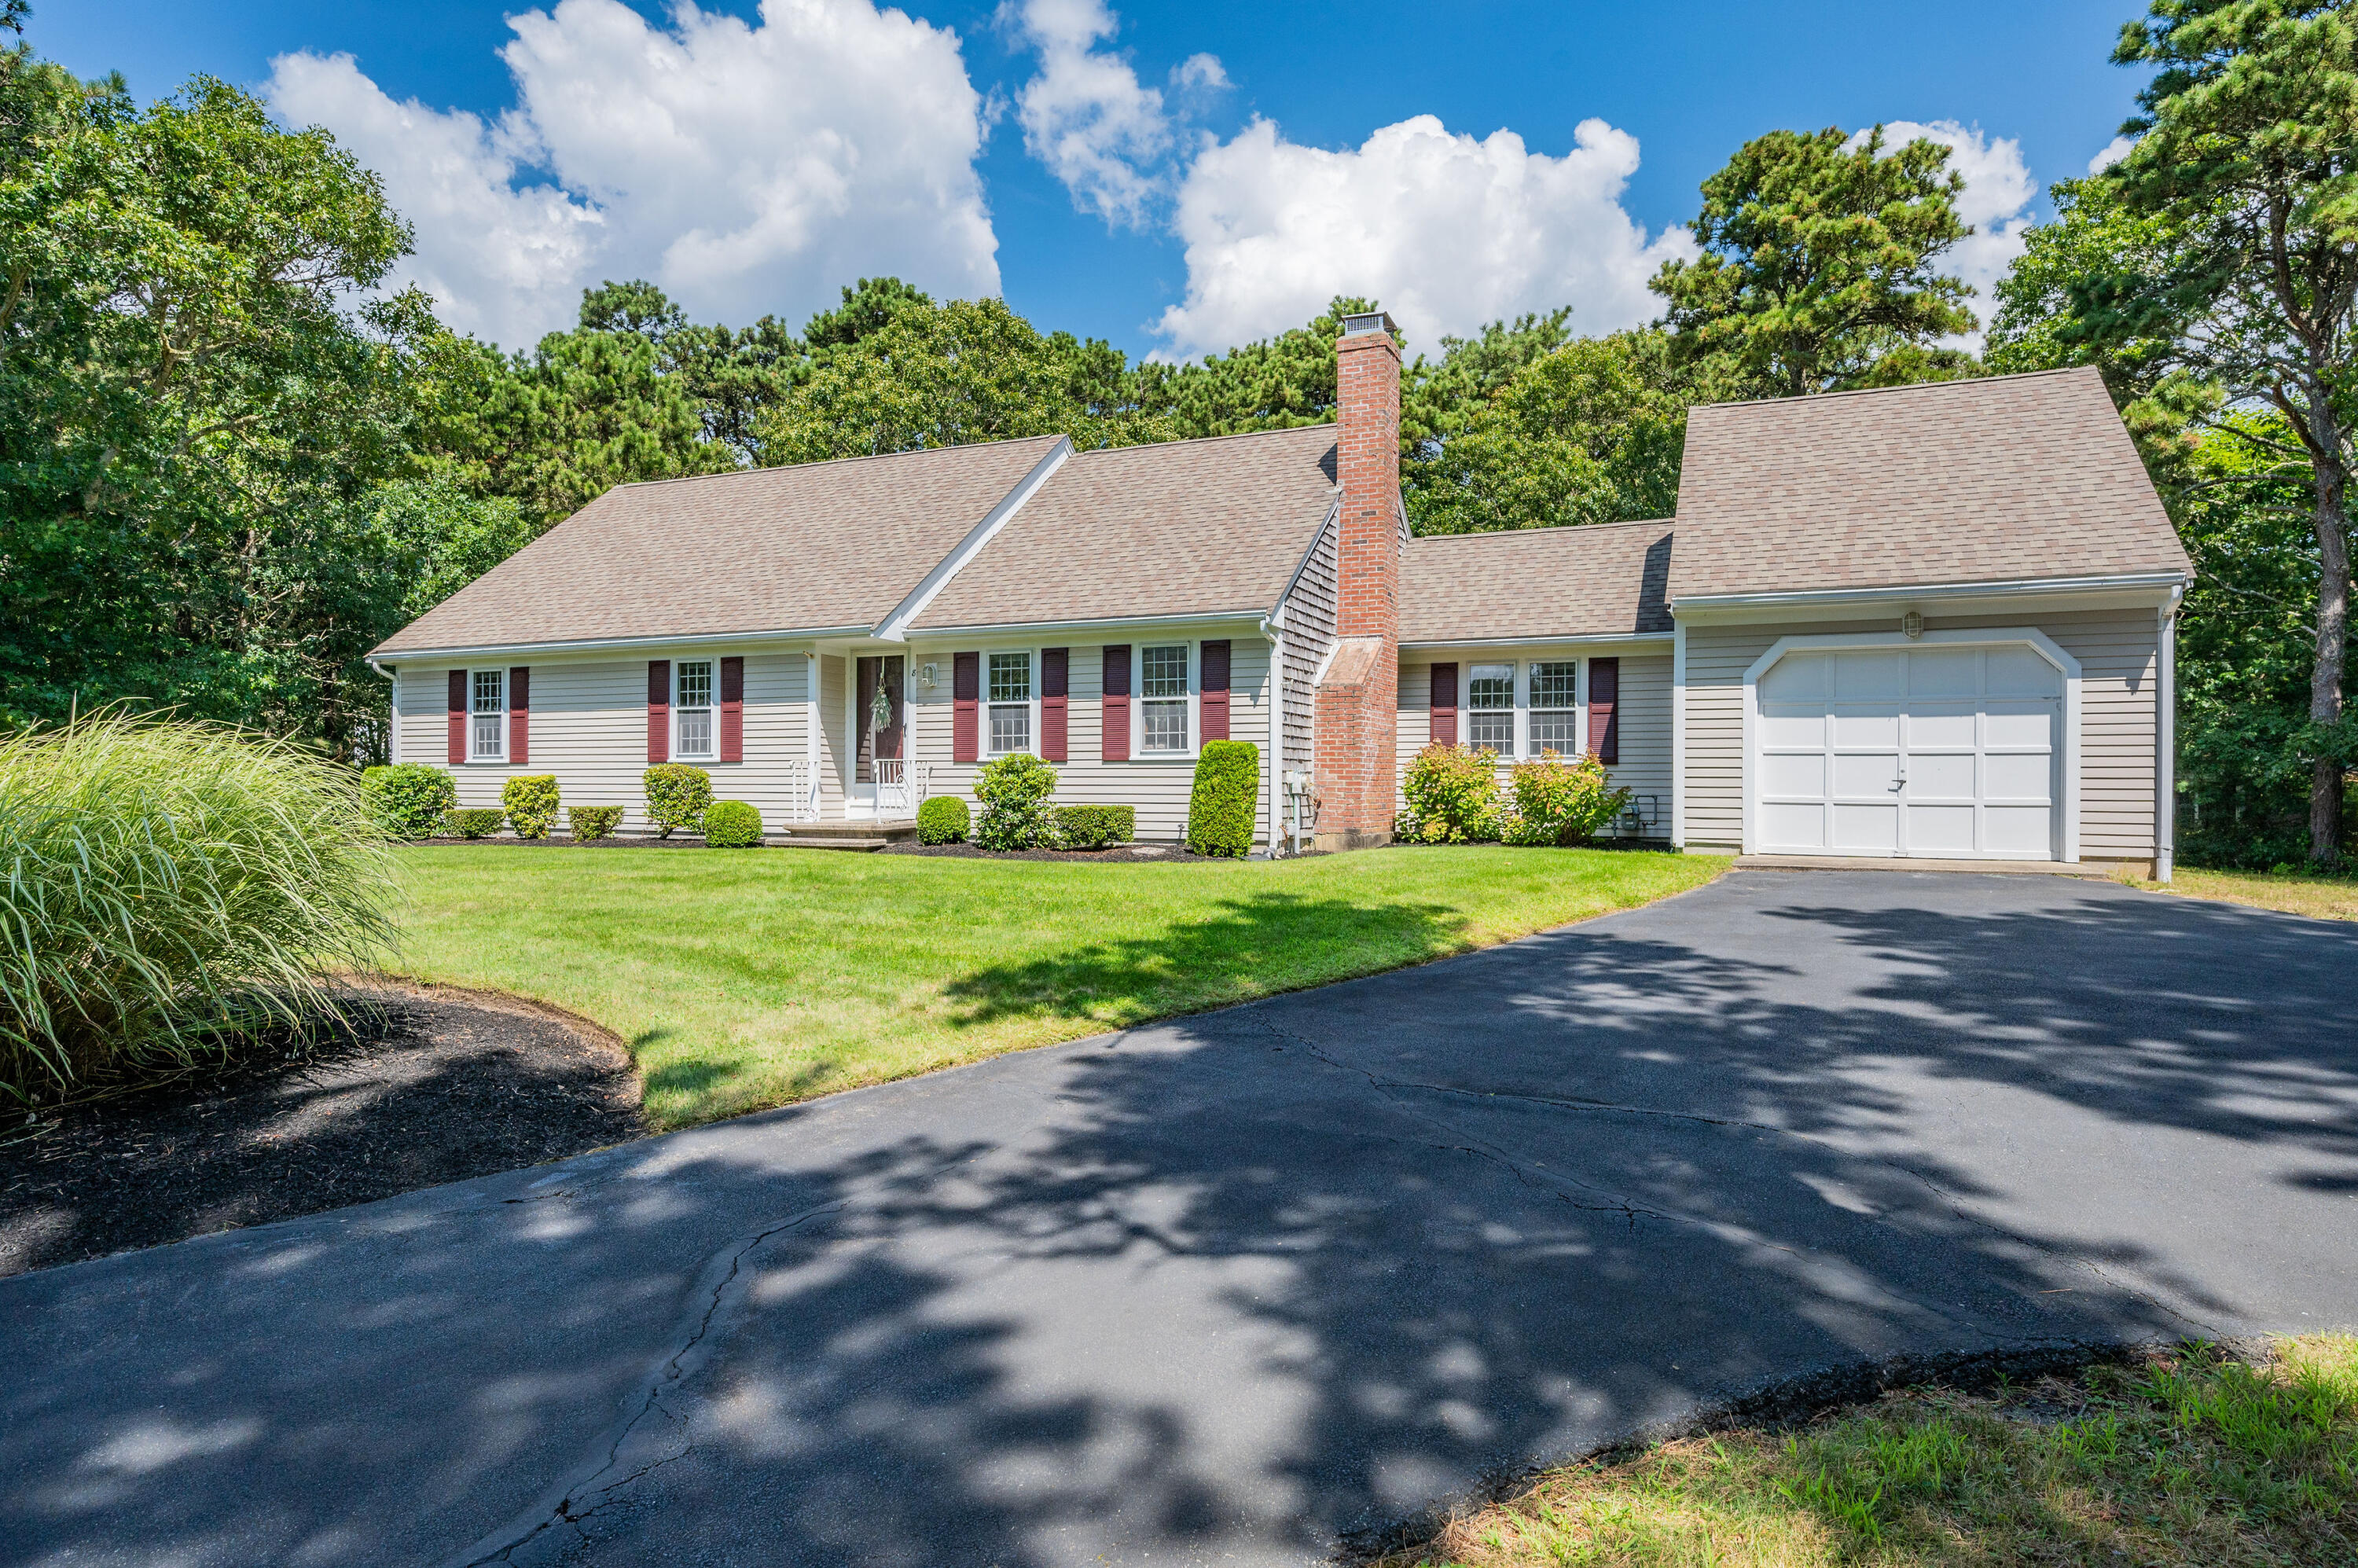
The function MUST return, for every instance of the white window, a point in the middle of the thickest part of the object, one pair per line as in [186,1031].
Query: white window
[1010,703]
[691,709]
[1490,709]
[487,726]
[1555,712]
[1162,698]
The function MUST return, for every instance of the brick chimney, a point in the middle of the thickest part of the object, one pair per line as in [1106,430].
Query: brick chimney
[1355,773]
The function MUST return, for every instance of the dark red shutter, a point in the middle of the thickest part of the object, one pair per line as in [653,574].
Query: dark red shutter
[966,707]
[732,710]
[1213,669]
[1116,724]
[1055,698]
[1444,704]
[519,716]
[1604,724]
[457,716]
[658,710]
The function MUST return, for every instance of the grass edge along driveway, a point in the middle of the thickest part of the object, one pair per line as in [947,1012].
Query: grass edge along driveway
[742,981]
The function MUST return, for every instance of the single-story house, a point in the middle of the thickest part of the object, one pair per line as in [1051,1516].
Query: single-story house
[1930,620]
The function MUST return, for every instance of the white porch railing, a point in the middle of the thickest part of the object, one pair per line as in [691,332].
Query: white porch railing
[802,792]
[900,786]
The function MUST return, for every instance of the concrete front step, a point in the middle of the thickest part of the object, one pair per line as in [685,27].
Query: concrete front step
[847,834]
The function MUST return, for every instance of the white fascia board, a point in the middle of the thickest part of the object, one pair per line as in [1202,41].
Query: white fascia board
[612,644]
[1607,640]
[1050,629]
[2159,584]
[894,627]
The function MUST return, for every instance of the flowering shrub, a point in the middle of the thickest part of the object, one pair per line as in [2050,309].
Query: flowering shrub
[1452,795]
[1558,802]
[1014,792]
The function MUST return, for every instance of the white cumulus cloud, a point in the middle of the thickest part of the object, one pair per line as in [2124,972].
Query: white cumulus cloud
[1446,232]
[1089,118]
[746,168]
[2110,154]
[1999,188]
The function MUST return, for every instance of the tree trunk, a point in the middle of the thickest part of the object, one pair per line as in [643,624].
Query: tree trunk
[2333,625]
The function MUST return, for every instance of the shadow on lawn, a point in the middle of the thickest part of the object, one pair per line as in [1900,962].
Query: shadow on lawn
[1265,942]
[1229,1288]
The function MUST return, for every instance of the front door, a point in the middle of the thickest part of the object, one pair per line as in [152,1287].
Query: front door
[880,771]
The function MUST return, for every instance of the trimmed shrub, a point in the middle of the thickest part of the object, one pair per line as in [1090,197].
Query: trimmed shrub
[592,822]
[1558,802]
[1095,827]
[943,820]
[531,800]
[475,821]
[1014,792]
[731,825]
[408,799]
[1228,785]
[677,796]
[174,887]
[1452,796]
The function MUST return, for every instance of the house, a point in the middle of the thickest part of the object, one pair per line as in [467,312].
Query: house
[1931,621]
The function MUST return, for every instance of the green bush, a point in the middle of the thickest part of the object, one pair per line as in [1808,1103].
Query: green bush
[1452,796]
[408,799]
[173,888]
[677,796]
[1228,785]
[943,820]
[1558,802]
[592,822]
[1014,792]
[1095,827]
[531,800]
[731,825]
[475,821]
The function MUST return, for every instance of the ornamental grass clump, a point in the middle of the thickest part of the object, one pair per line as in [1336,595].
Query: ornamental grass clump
[173,888]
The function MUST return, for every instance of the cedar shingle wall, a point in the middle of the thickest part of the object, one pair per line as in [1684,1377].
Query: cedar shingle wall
[1309,633]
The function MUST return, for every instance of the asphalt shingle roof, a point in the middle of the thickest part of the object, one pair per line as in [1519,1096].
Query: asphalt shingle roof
[2004,478]
[815,546]
[1600,580]
[1199,527]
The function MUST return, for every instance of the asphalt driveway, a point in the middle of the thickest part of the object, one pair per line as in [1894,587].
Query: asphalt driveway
[1221,1290]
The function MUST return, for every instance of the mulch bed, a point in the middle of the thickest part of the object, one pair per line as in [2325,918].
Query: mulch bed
[443,1086]
[556,841]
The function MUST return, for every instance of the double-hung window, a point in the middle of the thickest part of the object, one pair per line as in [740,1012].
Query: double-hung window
[1490,709]
[487,723]
[1555,715]
[691,709]
[1162,700]
[1010,703]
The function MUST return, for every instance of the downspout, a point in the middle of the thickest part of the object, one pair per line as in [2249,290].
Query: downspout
[2165,808]
[1679,736]
[1272,630]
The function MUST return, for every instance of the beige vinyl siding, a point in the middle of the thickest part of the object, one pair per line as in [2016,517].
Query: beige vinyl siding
[834,713]
[1157,790]
[1309,633]
[1644,706]
[2120,655]
[588,727]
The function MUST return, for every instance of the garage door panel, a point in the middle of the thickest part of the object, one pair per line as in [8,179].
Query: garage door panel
[1862,829]
[1949,673]
[1862,729]
[2018,777]
[2015,725]
[2018,832]
[2019,672]
[1792,826]
[1860,678]
[1796,730]
[1928,730]
[1795,677]
[1784,775]
[1864,773]
[1939,829]
[1947,776]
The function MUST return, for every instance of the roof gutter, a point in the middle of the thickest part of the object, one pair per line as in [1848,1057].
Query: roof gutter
[2110,584]
[613,645]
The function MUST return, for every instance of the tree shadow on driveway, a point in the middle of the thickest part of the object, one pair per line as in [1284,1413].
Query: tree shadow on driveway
[1236,1285]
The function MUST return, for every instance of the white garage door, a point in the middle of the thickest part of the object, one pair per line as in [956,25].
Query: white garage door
[1917,750]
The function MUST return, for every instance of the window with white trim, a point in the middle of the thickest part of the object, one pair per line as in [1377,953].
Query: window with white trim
[1490,709]
[1555,707]
[487,723]
[1010,692]
[1162,700]
[691,709]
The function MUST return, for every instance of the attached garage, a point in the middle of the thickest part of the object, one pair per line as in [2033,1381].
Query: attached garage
[1957,745]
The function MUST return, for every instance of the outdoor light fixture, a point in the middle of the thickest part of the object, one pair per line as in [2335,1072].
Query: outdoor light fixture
[1911,625]
[925,677]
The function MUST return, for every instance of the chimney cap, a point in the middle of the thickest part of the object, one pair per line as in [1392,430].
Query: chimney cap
[1371,322]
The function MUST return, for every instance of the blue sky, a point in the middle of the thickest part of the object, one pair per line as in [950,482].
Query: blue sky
[1067,154]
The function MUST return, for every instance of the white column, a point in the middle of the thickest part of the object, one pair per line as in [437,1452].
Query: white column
[2164,805]
[1678,734]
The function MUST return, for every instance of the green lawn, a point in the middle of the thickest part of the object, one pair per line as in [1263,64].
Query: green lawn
[742,979]
[2191,1462]
[2295,892]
